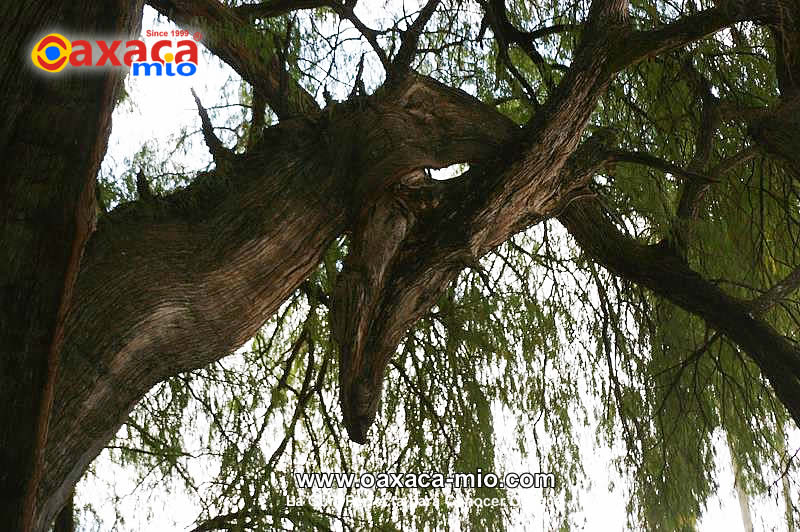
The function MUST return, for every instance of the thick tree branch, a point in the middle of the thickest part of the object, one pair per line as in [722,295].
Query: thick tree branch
[694,190]
[259,109]
[185,279]
[646,159]
[786,36]
[777,132]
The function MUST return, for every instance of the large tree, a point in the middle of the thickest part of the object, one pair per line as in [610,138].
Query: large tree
[663,137]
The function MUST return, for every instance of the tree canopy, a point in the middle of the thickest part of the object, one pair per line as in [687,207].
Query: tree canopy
[615,244]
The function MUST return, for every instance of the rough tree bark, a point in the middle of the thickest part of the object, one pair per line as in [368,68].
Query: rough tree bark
[169,284]
[52,140]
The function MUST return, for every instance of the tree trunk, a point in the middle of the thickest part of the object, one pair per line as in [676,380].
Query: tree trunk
[53,136]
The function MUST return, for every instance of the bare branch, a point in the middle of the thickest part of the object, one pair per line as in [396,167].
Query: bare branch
[654,162]
[507,34]
[231,38]
[358,85]
[218,150]
[371,35]
[410,39]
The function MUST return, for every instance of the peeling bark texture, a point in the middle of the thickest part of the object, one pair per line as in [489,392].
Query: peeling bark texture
[92,320]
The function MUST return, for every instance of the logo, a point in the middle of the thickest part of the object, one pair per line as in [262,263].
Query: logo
[165,57]
[51,53]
